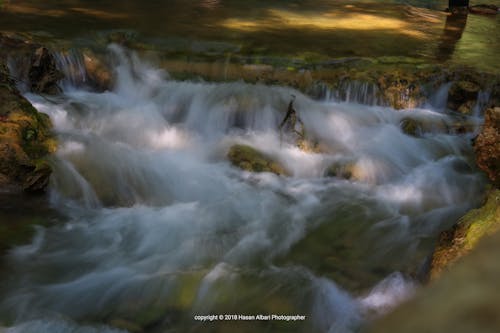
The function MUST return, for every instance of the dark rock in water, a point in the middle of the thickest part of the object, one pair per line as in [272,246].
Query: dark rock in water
[34,65]
[484,9]
[26,140]
[463,96]
[411,127]
[345,170]
[250,159]
[43,74]
[487,146]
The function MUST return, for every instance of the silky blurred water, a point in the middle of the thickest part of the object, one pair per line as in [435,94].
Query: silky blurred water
[156,226]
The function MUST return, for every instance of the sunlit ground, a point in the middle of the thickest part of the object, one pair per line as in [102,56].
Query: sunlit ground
[326,29]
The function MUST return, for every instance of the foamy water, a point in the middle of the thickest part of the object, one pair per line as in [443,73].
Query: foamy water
[160,227]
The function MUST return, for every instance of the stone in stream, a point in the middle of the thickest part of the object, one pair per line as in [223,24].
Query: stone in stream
[250,159]
[98,71]
[34,65]
[411,127]
[43,74]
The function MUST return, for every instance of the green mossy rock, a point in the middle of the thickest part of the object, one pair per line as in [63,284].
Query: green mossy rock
[250,159]
[26,140]
[463,237]
[464,300]
[411,127]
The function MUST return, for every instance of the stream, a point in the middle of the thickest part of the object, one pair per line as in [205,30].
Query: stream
[155,226]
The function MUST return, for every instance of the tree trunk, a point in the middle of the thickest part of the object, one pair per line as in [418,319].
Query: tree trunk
[458,3]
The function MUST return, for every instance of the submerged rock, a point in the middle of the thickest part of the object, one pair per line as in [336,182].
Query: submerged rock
[464,236]
[344,169]
[25,140]
[411,127]
[250,159]
[487,146]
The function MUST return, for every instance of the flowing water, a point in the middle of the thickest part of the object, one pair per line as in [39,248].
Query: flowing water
[157,227]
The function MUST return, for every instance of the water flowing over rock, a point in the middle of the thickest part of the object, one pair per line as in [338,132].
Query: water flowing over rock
[464,300]
[33,66]
[157,225]
[250,159]
[85,68]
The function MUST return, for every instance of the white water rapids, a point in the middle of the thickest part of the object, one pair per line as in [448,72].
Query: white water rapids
[159,227]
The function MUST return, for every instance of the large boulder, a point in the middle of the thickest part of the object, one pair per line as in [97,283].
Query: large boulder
[250,159]
[464,300]
[26,140]
[464,236]
[487,145]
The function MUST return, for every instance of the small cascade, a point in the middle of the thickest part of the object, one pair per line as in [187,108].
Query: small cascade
[483,98]
[154,211]
[72,65]
[366,93]
[438,99]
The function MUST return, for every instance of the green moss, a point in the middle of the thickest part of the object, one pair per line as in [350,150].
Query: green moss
[250,159]
[482,221]
[463,237]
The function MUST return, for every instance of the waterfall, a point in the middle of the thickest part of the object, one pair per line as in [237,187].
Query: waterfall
[71,64]
[159,227]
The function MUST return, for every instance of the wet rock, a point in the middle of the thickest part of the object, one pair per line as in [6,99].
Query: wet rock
[463,96]
[464,300]
[342,169]
[484,9]
[98,72]
[43,74]
[487,146]
[34,65]
[411,127]
[464,236]
[250,159]
[401,90]
[25,140]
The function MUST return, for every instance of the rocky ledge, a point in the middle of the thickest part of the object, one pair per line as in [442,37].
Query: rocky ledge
[26,140]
